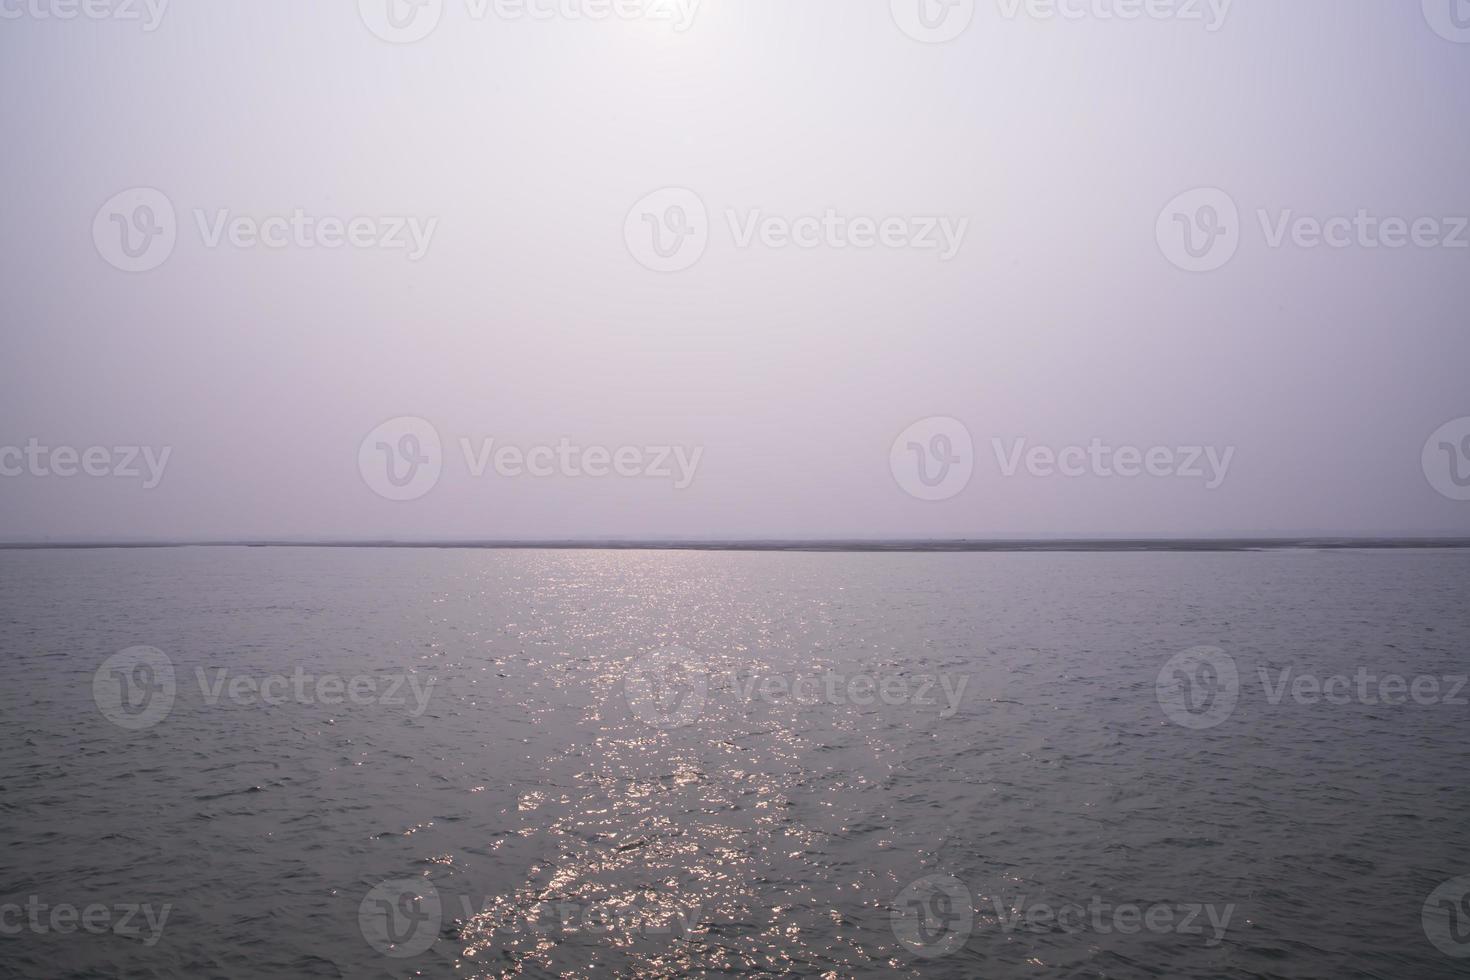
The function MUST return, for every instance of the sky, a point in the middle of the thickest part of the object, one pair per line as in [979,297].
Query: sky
[529,269]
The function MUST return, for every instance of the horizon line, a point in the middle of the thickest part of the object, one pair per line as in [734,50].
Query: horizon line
[892,545]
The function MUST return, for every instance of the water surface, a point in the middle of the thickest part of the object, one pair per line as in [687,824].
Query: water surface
[571,817]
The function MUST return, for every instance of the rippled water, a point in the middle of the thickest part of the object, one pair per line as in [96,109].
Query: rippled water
[610,773]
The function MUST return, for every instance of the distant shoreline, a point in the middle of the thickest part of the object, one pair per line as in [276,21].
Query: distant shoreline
[914,546]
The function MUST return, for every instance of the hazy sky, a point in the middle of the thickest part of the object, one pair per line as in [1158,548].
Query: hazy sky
[578,232]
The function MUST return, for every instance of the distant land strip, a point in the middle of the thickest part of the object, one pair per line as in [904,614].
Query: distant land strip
[822,545]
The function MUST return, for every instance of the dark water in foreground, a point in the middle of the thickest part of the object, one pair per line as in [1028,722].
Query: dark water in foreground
[389,763]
